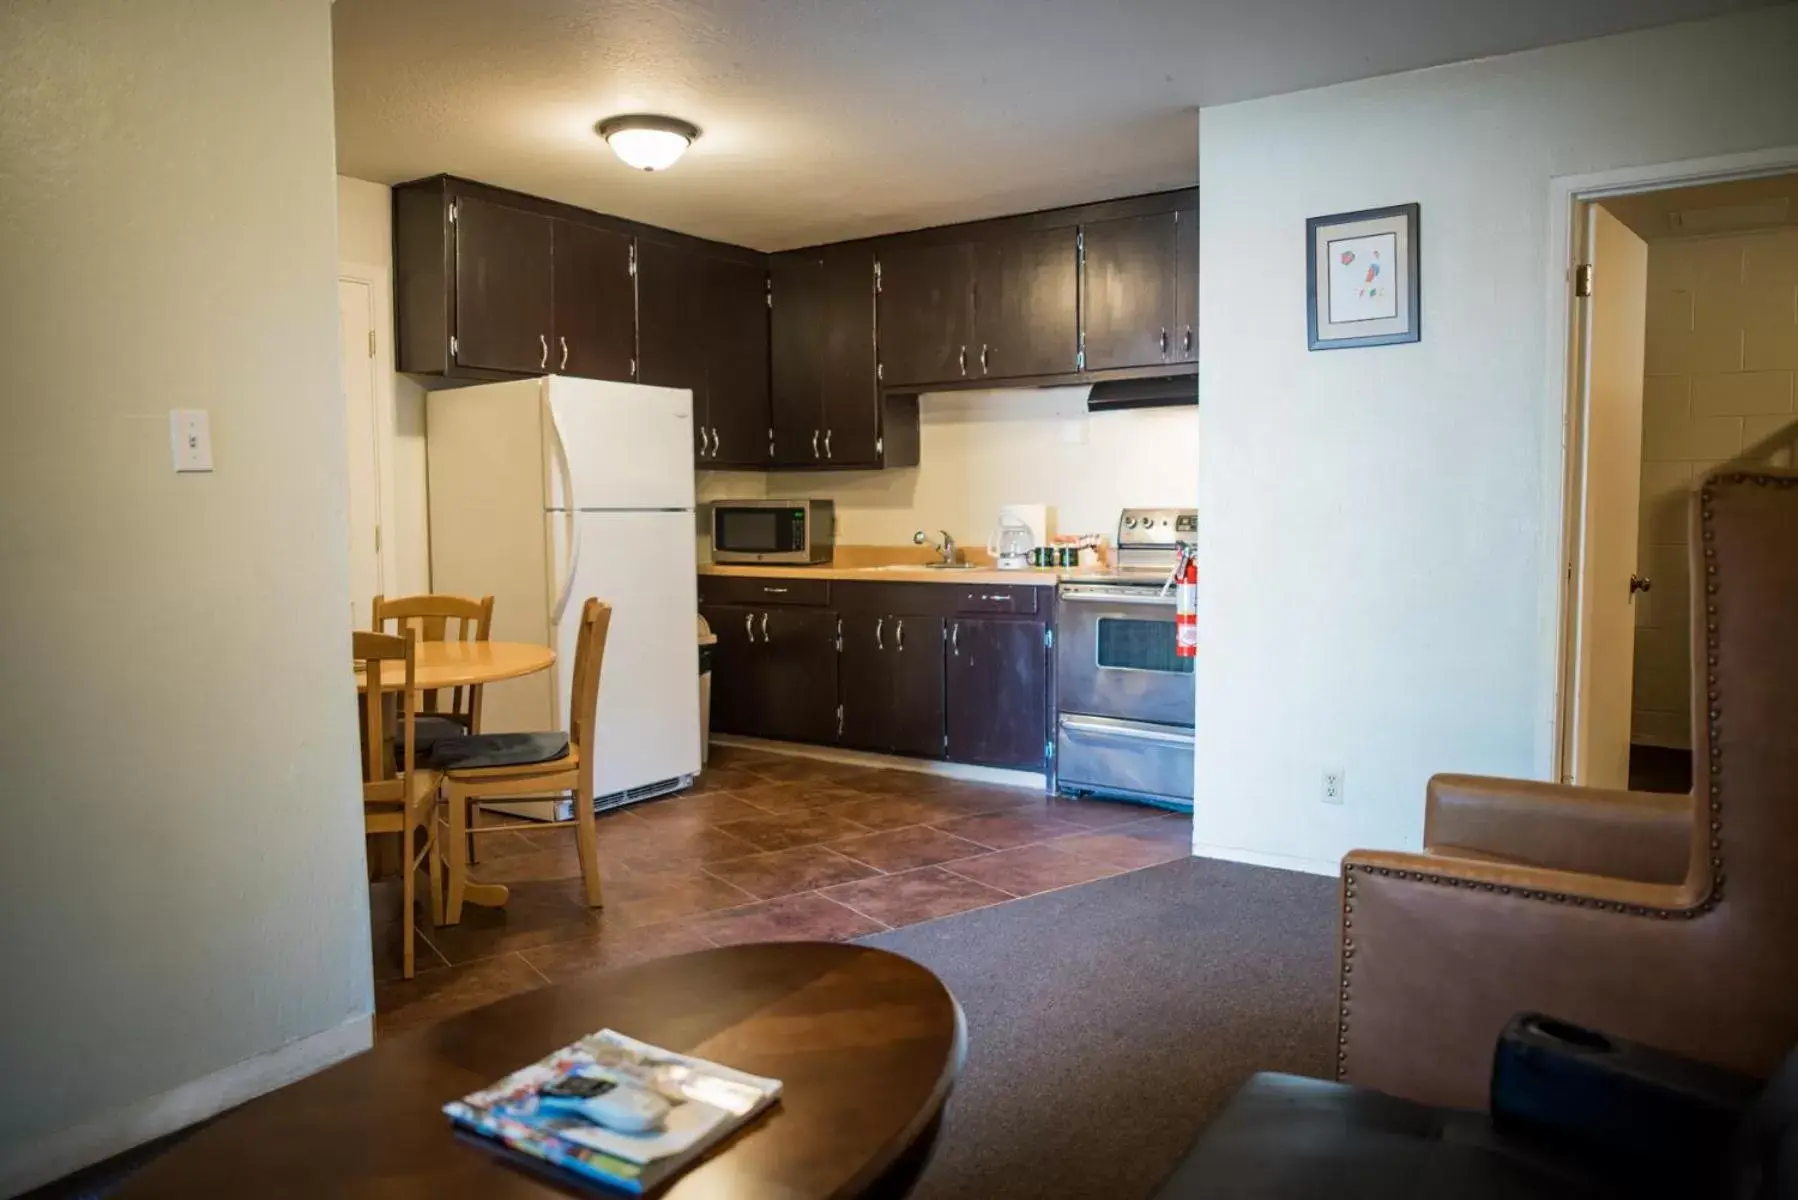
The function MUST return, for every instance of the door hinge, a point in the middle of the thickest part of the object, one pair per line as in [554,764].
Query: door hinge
[839,720]
[877,277]
[377,539]
[371,343]
[839,649]
[1080,247]
[1048,751]
[454,205]
[770,293]
[633,264]
[880,372]
[880,445]
[1049,638]
[1080,353]
[1582,280]
[452,347]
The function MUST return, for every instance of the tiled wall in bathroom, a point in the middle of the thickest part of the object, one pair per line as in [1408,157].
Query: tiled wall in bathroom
[1721,357]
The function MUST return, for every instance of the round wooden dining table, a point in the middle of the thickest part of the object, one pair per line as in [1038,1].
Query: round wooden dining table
[463,664]
[866,1044]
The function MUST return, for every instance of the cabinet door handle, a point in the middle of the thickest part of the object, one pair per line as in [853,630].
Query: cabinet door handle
[814,443]
[879,623]
[543,340]
[1186,341]
[749,627]
[827,443]
[764,629]
[962,360]
[1164,343]
[983,358]
[955,639]
[564,365]
[899,635]
[714,453]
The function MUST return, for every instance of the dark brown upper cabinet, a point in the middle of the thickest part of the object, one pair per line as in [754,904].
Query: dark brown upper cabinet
[827,408]
[1026,311]
[1186,284]
[735,338]
[926,313]
[1139,280]
[505,295]
[1129,297]
[702,324]
[595,303]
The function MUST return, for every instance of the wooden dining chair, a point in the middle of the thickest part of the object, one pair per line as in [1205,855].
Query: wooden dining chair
[512,765]
[442,619]
[398,795]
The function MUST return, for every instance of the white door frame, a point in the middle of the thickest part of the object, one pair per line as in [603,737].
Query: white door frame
[1564,454]
[376,279]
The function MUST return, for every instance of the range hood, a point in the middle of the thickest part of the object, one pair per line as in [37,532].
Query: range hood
[1172,391]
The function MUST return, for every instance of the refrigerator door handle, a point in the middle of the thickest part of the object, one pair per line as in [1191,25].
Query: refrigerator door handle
[560,453]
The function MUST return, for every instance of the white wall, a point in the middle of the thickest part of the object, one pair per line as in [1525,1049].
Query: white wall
[186,915]
[1722,352]
[365,238]
[1380,526]
[982,449]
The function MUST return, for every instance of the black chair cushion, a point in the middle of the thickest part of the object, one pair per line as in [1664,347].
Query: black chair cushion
[426,733]
[497,750]
[1283,1135]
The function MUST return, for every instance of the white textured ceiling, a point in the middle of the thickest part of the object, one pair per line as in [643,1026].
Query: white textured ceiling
[827,119]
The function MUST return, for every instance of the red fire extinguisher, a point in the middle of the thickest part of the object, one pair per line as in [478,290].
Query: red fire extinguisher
[1186,605]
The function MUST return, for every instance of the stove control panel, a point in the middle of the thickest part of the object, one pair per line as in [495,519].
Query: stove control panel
[1157,528]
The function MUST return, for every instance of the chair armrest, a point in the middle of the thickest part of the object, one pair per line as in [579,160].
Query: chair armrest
[1662,1121]
[1642,836]
[1438,954]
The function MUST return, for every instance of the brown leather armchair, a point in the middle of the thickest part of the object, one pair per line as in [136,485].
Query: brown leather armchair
[1671,920]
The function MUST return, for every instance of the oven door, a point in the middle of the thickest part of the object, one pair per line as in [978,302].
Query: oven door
[1115,656]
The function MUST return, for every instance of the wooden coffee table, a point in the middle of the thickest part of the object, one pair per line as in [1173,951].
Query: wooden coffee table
[867,1044]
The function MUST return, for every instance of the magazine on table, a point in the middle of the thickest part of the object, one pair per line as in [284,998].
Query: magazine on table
[615,1110]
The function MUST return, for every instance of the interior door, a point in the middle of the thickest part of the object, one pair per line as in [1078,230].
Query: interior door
[736,340]
[1127,300]
[355,315]
[996,692]
[595,303]
[926,307]
[504,288]
[916,668]
[866,666]
[1614,320]
[796,341]
[848,388]
[1026,310]
[1186,287]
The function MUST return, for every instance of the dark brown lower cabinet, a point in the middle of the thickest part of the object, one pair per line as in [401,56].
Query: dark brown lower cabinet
[774,672]
[996,692]
[891,679]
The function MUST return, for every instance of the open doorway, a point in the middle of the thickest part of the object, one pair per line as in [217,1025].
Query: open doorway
[1687,335]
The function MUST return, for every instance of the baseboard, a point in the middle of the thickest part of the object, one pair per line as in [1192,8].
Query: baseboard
[58,1154]
[1255,858]
[861,758]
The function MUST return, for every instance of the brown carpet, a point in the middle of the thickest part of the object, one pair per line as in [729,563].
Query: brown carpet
[1107,1022]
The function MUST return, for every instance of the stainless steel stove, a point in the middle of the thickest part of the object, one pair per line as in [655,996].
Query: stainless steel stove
[1124,719]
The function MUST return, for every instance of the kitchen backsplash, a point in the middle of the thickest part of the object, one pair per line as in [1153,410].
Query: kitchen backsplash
[987,448]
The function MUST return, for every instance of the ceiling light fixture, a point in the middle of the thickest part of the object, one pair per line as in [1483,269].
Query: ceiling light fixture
[649,143]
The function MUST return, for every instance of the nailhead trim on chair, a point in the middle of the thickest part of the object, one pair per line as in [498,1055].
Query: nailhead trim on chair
[1714,769]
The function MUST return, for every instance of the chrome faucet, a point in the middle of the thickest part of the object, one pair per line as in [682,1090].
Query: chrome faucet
[946,547]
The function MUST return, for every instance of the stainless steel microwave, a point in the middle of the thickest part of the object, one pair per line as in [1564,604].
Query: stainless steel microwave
[773,531]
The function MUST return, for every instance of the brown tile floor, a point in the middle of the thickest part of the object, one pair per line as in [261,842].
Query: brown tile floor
[765,847]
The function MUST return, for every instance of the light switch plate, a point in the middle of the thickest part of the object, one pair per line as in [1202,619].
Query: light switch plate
[190,439]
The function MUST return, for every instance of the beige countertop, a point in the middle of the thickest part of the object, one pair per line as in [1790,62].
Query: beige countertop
[893,573]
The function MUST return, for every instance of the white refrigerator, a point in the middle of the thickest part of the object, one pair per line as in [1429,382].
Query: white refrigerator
[544,492]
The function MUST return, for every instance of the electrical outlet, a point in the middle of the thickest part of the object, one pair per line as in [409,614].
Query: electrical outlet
[1334,785]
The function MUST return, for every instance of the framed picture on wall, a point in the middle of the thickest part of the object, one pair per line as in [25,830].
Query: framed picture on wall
[1361,278]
